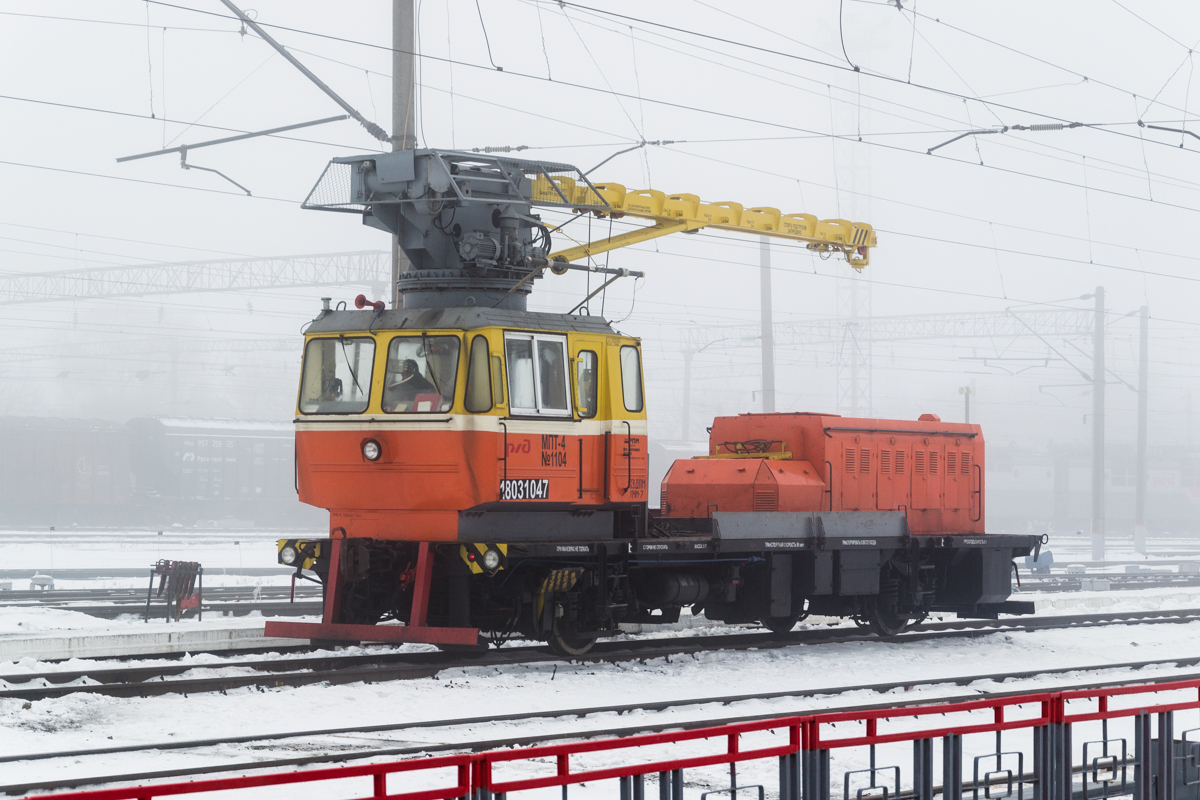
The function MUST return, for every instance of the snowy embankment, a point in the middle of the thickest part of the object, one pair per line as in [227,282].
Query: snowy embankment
[83,720]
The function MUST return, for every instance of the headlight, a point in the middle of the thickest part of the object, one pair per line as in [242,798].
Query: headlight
[288,555]
[371,450]
[491,560]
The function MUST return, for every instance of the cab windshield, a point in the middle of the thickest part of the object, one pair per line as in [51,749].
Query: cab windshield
[421,373]
[337,376]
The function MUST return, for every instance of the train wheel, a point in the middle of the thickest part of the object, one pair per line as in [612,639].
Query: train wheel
[782,625]
[884,621]
[568,643]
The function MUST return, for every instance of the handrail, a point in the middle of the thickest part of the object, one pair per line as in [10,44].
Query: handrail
[978,492]
[475,774]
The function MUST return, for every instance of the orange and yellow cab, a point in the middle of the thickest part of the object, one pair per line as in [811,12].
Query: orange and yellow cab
[409,419]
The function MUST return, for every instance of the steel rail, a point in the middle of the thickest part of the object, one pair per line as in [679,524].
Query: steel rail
[268,608]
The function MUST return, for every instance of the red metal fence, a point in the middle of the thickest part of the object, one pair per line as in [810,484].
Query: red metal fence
[1019,747]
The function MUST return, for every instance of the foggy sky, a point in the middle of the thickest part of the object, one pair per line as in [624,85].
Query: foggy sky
[748,125]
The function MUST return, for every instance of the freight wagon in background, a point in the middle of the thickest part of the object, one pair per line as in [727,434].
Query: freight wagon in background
[81,463]
[152,471]
[1049,489]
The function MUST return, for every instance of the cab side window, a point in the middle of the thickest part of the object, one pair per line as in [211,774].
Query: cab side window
[479,377]
[421,373]
[337,375]
[631,378]
[497,381]
[537,374]
[586,380]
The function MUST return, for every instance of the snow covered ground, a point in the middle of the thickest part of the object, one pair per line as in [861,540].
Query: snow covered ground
[99,550]
[84,721]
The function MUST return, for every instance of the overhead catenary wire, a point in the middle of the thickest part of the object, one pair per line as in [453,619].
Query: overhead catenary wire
[486,40]
[292,201]
[565,4]
[131,115]
[370,126]
[794,56]
[1016,51]
[828,89]
[828,92]
[326,36]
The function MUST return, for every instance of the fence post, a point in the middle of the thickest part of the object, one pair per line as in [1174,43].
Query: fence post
[481,785]
[1165,763]
[639,787]
[923,769]
[952,767]
[464,779]
[814,766]
[789,777]
[1059,770]
[664,786]
[1043,762]
[626,784]
[1143,772]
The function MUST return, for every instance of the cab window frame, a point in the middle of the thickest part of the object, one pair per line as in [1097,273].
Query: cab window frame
[539,409]
[451,384]
[641,391]
[486,369]
[368,374]
[594,399]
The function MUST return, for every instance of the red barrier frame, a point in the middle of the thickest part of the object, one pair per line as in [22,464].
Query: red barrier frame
[377,772]
[474,770]
[563,752]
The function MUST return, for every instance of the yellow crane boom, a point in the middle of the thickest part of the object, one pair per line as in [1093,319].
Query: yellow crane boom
[675,213]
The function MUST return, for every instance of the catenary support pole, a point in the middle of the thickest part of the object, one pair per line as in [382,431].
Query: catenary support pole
[685,411]
[403,108]
[1139,522]
[1098,375]
[768,330]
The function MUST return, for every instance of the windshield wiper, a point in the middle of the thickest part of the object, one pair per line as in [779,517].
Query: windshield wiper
[342,339]
[429,362]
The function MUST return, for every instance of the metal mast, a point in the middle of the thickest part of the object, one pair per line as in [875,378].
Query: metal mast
[1139,521]
[1098,373]
[403,109]
[768,328]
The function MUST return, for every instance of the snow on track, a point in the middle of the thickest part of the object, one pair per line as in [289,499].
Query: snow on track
[81,721]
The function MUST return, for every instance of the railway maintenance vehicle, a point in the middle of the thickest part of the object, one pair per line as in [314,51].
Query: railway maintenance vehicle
[485,466]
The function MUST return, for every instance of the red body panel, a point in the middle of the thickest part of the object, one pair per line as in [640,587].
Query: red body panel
[696,487]
[931,470]
[423,478]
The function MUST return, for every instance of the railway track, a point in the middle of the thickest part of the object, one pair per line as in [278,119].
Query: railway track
[1116,582]
[159,679]
[274,601]
[270,601]
[439,731]
[135,594]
